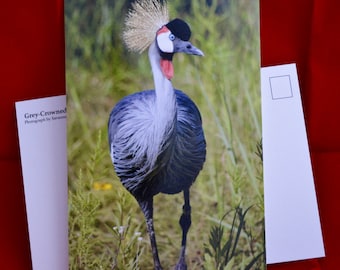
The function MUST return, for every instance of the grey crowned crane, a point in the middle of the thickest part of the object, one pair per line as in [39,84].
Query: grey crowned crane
[156,139]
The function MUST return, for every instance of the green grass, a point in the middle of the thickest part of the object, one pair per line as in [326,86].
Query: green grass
[106,227]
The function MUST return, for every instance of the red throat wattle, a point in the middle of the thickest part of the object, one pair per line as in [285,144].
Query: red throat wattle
[167,68]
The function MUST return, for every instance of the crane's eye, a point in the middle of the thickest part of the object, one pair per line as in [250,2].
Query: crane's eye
[172,37]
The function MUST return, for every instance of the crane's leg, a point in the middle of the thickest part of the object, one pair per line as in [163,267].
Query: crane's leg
[185,222]
[147,208]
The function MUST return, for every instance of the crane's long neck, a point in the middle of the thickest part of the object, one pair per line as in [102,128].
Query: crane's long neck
[165,109]
[163,87]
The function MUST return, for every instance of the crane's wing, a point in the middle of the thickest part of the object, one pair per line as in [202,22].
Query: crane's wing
[129,136]
[190,147]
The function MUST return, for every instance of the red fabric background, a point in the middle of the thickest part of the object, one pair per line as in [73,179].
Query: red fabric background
[303,31]
[31,66]
[306,32]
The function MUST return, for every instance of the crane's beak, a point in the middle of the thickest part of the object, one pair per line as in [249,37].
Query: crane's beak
[186,47]
[179,46]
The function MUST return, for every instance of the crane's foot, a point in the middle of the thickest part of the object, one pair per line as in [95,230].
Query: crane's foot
[181,265]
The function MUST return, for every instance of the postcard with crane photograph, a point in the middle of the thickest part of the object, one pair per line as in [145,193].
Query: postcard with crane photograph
[164,134]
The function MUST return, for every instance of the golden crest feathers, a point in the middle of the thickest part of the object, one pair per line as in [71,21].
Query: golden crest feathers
[142,23]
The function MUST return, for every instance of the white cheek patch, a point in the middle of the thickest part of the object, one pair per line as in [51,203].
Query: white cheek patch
[164,43]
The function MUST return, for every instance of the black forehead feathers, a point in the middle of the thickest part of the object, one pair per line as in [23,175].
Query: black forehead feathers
[179,28]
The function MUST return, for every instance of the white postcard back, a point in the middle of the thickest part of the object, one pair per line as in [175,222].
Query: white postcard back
[43,150]
[292,224]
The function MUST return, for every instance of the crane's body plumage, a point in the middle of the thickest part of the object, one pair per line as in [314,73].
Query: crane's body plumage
[155,136]
[179,156]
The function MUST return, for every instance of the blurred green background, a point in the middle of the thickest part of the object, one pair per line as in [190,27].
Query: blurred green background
[106,227]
